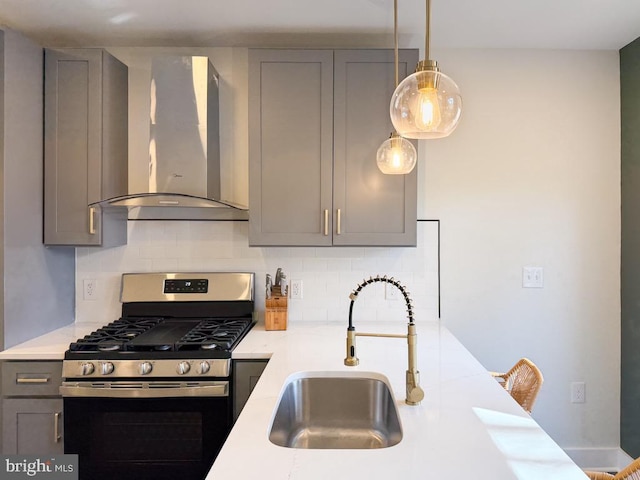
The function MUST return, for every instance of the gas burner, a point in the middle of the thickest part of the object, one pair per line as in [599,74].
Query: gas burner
[215,334]
[115,335]
[108,348]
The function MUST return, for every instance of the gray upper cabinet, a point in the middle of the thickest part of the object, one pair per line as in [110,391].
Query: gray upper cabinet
[85,150]
[375,209]
[290,147]
[316,120]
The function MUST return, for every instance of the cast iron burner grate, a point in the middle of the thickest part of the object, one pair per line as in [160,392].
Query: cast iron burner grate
[115,335]
[214,334]
[145,334]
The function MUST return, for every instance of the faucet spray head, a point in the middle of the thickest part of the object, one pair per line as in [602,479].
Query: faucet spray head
[351,360]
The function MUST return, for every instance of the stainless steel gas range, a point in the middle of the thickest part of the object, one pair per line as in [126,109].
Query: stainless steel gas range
[148,395]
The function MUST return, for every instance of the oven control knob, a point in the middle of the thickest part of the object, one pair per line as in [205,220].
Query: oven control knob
[183,367]
[204,367]
[145,368]
[106,368]
[86,368]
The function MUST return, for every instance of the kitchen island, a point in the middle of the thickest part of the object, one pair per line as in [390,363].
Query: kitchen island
[467,426]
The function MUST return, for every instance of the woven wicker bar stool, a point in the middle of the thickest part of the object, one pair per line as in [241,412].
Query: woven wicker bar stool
[599,475]
[522,381]
[630,472]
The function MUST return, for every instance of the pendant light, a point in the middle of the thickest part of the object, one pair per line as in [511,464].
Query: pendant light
[426,104]
[396,155]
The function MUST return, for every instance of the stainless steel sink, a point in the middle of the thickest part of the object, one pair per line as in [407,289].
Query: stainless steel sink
[320,410]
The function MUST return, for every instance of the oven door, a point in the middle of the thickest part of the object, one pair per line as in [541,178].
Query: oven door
[145,430]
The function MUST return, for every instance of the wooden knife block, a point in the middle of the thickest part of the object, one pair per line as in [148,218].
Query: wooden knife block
[275,314]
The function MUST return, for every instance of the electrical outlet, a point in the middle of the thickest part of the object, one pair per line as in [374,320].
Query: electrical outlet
[391,292]
[89,286]
[578,392]
[296,289]
[532,277]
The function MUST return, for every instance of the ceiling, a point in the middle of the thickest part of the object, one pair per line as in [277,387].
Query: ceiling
[554,24]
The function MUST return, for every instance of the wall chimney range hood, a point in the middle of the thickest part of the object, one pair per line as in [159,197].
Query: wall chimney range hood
[184,145]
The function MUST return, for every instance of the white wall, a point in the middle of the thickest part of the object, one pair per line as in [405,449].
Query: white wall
[531,177]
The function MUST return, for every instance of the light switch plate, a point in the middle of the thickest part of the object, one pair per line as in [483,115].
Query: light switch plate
[532,277]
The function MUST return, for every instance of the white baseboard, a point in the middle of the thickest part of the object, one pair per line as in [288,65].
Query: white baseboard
[600,459]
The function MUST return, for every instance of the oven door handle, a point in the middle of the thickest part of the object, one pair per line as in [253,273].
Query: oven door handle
[144,389]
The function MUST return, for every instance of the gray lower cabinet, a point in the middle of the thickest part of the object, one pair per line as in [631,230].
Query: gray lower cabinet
[316,120]
[32,426]
[246,374]
[31,408]
[85,149]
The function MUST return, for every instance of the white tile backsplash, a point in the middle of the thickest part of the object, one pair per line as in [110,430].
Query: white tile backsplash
[329,274]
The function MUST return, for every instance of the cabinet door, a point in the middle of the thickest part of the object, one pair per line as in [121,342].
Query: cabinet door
[375,209]
[85,147]
[73,94]
[246,374]
[32,426]
[290,147]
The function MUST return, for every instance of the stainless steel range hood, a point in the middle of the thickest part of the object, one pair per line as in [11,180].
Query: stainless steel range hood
[184,145]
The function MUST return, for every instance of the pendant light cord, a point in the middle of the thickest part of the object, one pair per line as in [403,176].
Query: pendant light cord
[395,37]
[427,34]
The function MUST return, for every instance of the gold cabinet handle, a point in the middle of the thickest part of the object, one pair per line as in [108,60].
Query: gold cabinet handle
[338,231]
[56,427]
[326,222]
[23,380]
[92,226]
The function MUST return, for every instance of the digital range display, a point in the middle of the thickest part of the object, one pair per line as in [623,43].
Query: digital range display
[186,286]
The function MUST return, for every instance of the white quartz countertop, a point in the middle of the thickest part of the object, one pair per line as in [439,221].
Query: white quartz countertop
[467,427]
[50,346]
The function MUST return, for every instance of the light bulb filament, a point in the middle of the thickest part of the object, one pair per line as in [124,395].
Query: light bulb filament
[428,111]
[396,161]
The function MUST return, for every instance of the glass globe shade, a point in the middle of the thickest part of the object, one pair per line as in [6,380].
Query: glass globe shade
[426,105]
[396,156]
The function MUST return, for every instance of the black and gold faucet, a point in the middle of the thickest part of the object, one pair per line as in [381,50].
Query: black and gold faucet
[415,394]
